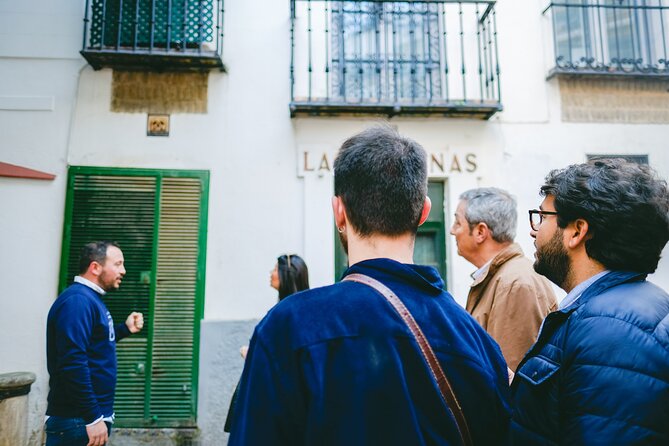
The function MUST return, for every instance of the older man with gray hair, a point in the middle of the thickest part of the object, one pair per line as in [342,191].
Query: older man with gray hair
[507,297]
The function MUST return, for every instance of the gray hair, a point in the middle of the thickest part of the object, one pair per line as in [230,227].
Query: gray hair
[494,207]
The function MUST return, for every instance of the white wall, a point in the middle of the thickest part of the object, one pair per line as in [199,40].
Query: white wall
[39,67]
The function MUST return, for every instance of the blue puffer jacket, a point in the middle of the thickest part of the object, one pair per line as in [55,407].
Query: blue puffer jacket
[599,372]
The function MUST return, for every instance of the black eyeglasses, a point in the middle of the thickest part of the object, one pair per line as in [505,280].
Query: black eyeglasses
[537,217]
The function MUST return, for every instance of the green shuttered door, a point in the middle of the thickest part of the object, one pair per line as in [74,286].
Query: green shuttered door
[159,220]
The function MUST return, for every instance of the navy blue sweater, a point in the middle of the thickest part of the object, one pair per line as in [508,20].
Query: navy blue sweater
[81,355]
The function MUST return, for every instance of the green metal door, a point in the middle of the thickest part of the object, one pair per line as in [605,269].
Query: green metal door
[159,220]
[430,246]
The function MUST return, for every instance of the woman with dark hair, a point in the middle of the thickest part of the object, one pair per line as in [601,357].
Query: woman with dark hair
[290,275]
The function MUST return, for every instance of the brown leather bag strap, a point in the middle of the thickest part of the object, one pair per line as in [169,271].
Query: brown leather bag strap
[436,371]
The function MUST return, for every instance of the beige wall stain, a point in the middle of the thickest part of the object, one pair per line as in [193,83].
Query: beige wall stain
[638,101]
[145,92]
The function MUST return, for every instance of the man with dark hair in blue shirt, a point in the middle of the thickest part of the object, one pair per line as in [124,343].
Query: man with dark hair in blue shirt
[337,365]
[81,351]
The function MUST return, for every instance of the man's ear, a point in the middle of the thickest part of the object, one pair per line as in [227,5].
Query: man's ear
[481,231]
[339,212]
[427,206]
[95,269]
[577,232]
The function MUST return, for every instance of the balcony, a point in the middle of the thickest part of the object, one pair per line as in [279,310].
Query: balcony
[610,38]
[160,35]
[394,58]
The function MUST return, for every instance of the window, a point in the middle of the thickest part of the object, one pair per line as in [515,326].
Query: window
[394,57]
[148,24]
[611,35]
[178,35]
[639,159]
[159,220]
[366,68]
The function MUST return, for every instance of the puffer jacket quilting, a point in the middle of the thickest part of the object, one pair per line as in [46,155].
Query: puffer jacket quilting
[599,372]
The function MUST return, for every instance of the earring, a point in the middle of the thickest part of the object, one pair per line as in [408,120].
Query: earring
[341,229]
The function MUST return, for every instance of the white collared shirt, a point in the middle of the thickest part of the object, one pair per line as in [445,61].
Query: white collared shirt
[94,286]
[476,275]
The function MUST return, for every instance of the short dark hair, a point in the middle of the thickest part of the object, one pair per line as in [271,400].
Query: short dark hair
[625,204]
[382,179]
[94,252]
[293,275]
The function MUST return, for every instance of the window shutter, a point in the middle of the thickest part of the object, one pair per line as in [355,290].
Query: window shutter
[120,209]
[172,394]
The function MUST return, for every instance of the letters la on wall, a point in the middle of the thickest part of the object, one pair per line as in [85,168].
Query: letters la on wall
[440,164]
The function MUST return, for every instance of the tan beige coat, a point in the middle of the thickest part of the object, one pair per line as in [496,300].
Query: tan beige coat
[510,301]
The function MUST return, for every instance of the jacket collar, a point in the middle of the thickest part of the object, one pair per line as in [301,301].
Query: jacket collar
[557,318]
[506,254]
[389,271]
[610,280]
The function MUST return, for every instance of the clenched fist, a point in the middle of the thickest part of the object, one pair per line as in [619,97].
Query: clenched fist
[135,322]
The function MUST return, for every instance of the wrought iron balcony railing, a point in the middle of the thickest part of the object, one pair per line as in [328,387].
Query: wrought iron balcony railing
[610,37]
[159,34]
[394,57]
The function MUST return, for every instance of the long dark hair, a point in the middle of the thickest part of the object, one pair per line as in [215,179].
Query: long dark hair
[293,275]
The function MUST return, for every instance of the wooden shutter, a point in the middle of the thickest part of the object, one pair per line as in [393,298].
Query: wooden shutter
[158,219]
[172,395]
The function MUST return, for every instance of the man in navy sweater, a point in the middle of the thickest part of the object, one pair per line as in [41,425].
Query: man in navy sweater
[81,351]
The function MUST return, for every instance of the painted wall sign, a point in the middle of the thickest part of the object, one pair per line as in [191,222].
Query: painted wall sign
[440,164]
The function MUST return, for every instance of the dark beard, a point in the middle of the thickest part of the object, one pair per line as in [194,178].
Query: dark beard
[344,241]
[552,260]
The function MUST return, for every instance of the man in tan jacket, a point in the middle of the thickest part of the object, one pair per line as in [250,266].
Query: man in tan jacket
[507,297]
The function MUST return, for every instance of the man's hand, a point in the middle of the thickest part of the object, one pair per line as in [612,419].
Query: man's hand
[97,434]
[135,322]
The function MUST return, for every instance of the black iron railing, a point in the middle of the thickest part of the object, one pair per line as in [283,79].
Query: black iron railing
[394,57]
[170,34]
[620,37]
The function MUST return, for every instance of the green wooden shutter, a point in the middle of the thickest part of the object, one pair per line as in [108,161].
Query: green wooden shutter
[172,395]
[159,220]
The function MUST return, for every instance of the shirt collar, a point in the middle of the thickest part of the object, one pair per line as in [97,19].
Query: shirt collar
[580,289]
[90,285]
[476,275]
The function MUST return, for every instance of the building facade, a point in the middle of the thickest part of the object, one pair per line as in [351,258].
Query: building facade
[201,136]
